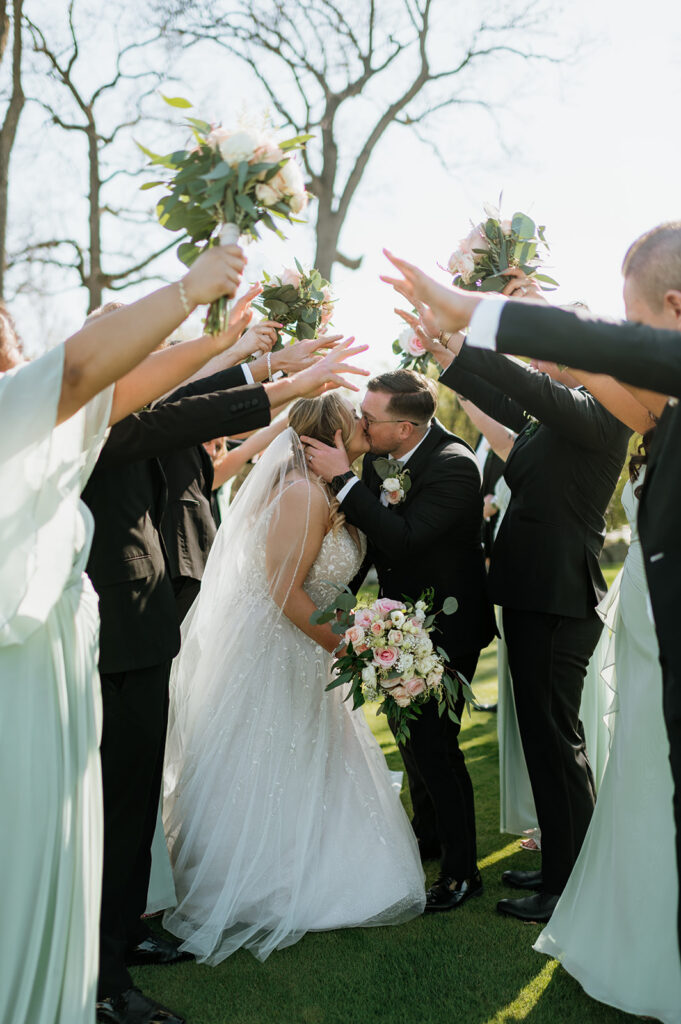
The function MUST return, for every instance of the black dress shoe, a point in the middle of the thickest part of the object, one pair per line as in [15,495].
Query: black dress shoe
[537,907]
[155,950]
[447,893]
[133,1007]
[523,880]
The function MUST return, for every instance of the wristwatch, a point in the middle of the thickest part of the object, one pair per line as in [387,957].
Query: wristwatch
[339,482]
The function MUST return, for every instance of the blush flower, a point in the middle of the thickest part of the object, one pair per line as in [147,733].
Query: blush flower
[386,657]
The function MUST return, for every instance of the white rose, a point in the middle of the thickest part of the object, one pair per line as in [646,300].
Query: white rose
[239,146]
[218,135]
[288,181]
[397,617]
[391,483]
[266,195]
[369,675]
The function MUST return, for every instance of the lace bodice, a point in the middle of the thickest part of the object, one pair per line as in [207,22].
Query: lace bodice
[336,564]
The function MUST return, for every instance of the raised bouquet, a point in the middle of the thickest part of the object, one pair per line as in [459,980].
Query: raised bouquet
[496,245]
[390,657]
[229,182]
[301,302]
[414,356]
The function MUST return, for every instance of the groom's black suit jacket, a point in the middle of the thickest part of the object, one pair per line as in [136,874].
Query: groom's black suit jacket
[561,474]
[431,539]
[127,495]
[648,358]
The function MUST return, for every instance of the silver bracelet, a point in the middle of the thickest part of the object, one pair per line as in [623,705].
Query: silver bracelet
[183,298]
[269,366]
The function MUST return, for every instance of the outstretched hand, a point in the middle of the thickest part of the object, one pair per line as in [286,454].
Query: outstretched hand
[451,308]
[327,461]
[328,372]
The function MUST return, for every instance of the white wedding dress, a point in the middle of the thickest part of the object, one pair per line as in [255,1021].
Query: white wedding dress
[279,809]
[614,928]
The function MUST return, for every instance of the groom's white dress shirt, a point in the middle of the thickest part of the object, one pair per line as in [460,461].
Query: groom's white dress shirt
[402,460]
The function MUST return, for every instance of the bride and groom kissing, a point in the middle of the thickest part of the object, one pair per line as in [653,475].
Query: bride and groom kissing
[273,787]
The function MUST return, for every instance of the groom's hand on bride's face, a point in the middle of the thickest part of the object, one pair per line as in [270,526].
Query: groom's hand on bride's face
[325,460]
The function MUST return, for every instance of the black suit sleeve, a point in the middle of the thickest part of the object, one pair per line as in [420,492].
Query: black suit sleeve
[490,399]
[187,422]
[636,354]
[574,413]
[433,514]
[224,380]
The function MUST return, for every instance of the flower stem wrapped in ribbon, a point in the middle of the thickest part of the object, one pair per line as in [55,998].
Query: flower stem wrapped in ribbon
[390,657]
[229,182]
[496,245]
[301,302]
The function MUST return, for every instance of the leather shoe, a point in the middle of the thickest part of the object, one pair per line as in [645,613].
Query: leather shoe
[155,950]
[447,893]
[523,880]
[133,1007]
[537,907]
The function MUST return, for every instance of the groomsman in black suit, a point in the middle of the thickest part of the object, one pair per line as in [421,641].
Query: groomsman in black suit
[139,636]
[562,471]
[431,539]
[645,353]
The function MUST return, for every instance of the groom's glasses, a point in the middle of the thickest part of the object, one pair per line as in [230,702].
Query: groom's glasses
[371,422]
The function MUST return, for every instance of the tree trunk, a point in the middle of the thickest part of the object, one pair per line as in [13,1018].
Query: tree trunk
[8,134]
[95,281]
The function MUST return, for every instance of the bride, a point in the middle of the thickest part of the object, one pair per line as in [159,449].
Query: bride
[279,809]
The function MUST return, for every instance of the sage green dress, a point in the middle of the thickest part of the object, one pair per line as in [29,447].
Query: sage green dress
[50,711]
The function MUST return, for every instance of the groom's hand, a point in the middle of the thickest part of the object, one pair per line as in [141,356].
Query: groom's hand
[324,460]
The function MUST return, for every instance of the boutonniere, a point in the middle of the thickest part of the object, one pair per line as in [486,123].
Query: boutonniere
[395,477]
[533,425]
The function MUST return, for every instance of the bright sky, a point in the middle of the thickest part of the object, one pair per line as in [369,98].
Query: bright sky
[594,156]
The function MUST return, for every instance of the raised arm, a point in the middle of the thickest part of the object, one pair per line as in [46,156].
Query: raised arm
[499,438]
[232,461]
[618,400]
[492,400]
[109,347]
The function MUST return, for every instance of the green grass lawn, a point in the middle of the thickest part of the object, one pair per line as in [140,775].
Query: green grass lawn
[469,966]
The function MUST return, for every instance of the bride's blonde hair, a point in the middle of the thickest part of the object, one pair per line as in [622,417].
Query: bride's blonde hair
[321,418]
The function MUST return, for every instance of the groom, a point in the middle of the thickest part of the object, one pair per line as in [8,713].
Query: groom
[429,539]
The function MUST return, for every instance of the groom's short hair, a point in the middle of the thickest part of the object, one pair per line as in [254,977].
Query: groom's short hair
[412,396]
[654,262]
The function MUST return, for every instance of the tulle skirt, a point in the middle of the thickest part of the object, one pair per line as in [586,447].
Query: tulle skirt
[279,809]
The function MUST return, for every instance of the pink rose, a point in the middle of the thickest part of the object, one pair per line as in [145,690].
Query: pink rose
[506,227]
[385,605]
[363,618]
[377,628]
[401,696]
[417,623]
[394,497]
[385,657]
[395,636]
[414,346]
[354,635]
[290,277]
[360,648]
[415,686]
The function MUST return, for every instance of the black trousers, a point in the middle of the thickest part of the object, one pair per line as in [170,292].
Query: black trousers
[671,703]
[547,658]
[440,786]
[133,743]
[186,590]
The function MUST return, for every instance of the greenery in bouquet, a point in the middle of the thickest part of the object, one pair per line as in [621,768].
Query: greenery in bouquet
[409,347]
[224,186]
[301,302]
[496,245]
[386,653]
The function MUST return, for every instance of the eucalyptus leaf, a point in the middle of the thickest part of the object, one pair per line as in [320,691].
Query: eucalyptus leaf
[450,605]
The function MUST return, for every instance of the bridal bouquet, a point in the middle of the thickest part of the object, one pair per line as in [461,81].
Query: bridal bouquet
[301,302]
[390,657]
[230,181]
[496,245]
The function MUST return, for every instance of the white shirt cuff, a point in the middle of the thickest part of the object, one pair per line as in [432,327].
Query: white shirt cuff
[346,488]
[248,376]
[482,332]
